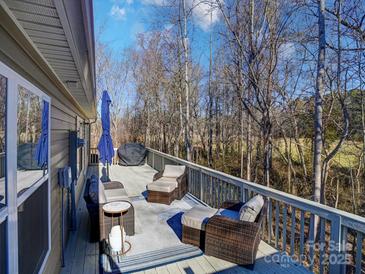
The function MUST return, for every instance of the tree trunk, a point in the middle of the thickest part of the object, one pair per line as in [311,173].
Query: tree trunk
[318,119]
[250,92]
[187,92]
[210,103]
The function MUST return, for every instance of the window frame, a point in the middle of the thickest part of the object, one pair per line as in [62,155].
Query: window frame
[10,212]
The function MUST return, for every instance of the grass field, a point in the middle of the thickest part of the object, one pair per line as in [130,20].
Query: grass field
[347,157]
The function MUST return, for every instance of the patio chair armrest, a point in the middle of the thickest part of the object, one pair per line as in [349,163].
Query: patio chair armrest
[182,177]
[227,228]
[113,185]
[158,175]
[232,205]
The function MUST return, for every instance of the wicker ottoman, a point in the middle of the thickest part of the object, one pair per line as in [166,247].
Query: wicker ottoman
[193,225]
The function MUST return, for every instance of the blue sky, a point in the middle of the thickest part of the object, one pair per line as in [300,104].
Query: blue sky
[122,20]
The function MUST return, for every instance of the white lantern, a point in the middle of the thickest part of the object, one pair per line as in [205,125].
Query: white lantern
[115,238]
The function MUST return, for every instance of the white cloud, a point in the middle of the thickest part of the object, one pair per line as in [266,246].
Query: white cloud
[117,12]
[117,2]
[168,26]
[153,2]
[205,14]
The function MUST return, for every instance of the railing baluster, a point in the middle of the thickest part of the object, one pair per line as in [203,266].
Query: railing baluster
[301,244]
[201,185]
[344,244]
[311,242]
[190,180]
[335,242]
[269,229]
[197,182]
[277,216]
[211,191]
[227,195]
[322,244]
[219,196]
[153,160]
[284,227]
[246,195]
[359,238]
[217,191]
[221,192]
[292,232]
[242,190]
[238,194]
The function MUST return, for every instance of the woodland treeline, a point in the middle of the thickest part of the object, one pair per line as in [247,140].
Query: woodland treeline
[275,95]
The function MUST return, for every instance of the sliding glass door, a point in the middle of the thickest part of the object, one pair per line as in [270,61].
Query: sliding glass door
[24,174]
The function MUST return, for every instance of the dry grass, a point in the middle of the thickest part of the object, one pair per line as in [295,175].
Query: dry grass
[347,157]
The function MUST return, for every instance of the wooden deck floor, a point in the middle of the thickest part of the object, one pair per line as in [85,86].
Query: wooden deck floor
[83,257]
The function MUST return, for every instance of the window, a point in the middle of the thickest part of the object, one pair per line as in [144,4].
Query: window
[29,132]
[24,175]
[3,97]
[32,231]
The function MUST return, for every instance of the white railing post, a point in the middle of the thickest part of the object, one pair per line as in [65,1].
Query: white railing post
[335,245]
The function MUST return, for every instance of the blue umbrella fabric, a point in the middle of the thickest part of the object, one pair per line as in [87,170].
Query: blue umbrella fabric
[41,152]
[105,147]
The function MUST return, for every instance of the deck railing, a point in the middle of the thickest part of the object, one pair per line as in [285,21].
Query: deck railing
[94,157]
[290,227]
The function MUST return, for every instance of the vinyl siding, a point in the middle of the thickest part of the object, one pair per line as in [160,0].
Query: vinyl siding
[63,118]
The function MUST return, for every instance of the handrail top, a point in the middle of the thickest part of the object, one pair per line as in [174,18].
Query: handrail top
[347,219]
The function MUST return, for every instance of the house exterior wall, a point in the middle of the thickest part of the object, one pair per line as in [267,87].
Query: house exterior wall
[64,117]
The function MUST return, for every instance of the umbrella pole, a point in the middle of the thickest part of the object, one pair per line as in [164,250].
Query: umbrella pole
[107,169]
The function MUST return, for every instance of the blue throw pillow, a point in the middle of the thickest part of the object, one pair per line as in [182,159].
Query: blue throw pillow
[229,214]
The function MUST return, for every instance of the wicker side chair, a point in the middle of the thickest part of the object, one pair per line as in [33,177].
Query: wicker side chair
[232,240]
[167,197]
[128,218]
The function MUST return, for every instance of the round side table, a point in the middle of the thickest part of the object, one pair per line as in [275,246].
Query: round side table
[117,208]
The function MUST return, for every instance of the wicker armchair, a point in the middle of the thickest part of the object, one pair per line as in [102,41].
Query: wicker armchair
[128,218]
[168,197]
[234,240]
[95,212]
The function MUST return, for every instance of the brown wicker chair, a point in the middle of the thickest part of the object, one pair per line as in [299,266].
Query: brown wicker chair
[234,240]
[193,232]
[128,218]
[168,197]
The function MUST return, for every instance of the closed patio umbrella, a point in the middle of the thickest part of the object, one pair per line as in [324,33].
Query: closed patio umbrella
[41,152]
[105,147]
